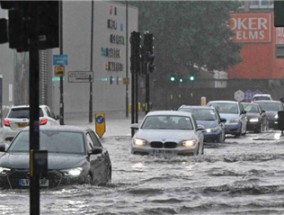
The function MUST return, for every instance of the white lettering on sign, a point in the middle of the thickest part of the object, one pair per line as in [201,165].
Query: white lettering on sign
[251,27]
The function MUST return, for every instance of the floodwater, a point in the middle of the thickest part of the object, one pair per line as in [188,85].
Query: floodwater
[242,176]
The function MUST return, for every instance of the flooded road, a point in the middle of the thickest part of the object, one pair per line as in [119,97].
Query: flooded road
[242,176]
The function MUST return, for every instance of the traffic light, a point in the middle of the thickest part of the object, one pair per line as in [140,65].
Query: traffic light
[173,78]
[192,76]
[279,13]
[148,50]
[3,30]
[20,16]
[135,41]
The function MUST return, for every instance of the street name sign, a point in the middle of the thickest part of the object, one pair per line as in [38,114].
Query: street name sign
[79,76]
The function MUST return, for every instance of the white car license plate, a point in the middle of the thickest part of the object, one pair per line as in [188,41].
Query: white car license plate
[162,152]
[24,182]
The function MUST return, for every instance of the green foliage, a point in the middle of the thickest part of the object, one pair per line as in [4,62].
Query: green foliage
[190,33]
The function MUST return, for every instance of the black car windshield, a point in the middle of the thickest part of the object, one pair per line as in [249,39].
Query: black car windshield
[270,106]
[54,141]
[167,122]
[22,113]
[251,108]
[202,114]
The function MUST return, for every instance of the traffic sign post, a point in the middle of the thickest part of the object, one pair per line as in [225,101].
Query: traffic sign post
[100,124]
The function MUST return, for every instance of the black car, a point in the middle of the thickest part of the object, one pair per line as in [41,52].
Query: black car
[75,156]
[257,118]
[271,108]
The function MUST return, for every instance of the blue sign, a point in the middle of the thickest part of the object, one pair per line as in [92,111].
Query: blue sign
[60,60]
[100,119]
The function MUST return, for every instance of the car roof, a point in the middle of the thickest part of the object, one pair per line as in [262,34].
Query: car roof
[168,112]
[24,106]
[61,128]
[223,101]
[197,107]
[262,94]
[268,101]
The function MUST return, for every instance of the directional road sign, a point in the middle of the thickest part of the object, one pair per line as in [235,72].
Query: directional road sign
[60,60]
[100,123]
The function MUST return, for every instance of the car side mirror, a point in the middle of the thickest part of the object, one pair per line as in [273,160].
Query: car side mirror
[200,128]
[96,150]
[2,147]
[134,126]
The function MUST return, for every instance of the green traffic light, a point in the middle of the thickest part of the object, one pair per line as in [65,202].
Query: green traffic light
[191,78]
[172,78]
[180,80]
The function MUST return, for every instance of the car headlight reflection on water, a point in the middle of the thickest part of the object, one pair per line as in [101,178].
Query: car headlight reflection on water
[189,143]
[254,120]
[74,172]
[139,142]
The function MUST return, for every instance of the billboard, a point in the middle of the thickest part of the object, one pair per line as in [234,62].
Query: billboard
[251,27]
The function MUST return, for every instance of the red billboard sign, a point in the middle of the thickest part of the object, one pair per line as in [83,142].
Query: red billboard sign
[251,27]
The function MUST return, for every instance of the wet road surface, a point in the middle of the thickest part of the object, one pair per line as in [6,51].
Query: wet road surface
[242,176]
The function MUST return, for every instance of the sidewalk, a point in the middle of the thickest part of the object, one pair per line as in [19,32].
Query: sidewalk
[117,124]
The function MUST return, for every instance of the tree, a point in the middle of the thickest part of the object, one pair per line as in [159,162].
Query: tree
[190,33]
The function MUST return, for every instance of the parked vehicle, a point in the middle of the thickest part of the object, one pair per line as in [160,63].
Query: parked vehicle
[257,118]
[257,97]
[271,108]
[168,132]
[235,115]
[209,118]
[18,118]
[75,156]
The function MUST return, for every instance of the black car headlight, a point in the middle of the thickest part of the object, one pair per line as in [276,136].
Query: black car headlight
[4,171]
[139,142]
[253,119]
[189,143]
[209,130]
[74,172]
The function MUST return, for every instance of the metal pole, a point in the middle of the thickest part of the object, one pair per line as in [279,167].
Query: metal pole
[91,66]
[126,63]
[147,93]
[61,52]
[34,110]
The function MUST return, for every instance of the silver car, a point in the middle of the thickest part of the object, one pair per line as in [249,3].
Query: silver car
[235,115]
[168,132]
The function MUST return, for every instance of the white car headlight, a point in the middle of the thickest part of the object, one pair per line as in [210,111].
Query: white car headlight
[254,120]
[276,116]
[139,142]
[189,143]
[75,172]
[4,171]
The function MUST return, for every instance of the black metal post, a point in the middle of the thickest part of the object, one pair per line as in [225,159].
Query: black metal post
[147,93]
[61,52]
[91,100]
[34,109]
[91,66]
[126,63]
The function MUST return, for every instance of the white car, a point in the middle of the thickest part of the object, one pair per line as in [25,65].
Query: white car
[18,118]
[257,97]
[168,132]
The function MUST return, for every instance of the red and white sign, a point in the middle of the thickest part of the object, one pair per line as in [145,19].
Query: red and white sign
[251,27]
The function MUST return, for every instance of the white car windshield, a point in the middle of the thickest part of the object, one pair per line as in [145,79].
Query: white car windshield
[167,122]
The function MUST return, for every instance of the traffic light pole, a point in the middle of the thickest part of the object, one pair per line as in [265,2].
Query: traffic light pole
[34,110]
[147,93]
[61,110]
